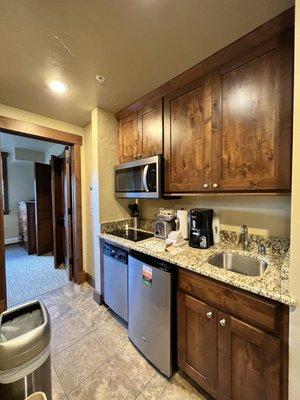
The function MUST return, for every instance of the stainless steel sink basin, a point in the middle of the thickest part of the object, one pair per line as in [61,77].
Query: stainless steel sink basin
[241,264]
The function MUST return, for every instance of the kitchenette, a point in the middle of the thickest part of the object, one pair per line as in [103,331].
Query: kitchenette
[199,270]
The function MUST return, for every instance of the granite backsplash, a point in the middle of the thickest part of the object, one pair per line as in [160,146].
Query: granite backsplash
[274,245]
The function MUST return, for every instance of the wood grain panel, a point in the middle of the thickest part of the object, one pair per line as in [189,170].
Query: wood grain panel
[43,208]
[128,138]
[3,302]
[12,125]
[150,128]
[252,125]
[250,363]
[57,210]
[248,120]
[262,312]
[76,204]
[197,337]
[187,132]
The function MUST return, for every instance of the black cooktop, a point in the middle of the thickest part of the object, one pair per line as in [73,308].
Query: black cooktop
[132,234]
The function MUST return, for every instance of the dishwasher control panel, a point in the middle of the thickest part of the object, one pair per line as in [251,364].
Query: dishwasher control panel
[116,253]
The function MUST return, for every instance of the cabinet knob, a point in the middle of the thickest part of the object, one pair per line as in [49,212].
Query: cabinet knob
[139,155]
[222,322]
[135,156]
[215,185]
[205,185]
[209,314]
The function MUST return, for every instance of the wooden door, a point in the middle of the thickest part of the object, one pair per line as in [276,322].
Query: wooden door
[150,129]
[187,133]
[197,341]
[128,138]
[248,361]
[43,208]
[252,119]
[67,207]
[57,210]
[3,303]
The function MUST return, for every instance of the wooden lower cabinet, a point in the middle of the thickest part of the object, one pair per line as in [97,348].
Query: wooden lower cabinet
[248,361]
[197,341]
[230,358]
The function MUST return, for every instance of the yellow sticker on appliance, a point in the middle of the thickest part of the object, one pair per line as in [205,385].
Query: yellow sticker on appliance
[147,275]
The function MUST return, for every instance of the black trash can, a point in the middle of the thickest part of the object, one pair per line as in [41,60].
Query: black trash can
[25,364]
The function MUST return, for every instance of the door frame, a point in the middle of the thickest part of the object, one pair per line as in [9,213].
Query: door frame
[35,131]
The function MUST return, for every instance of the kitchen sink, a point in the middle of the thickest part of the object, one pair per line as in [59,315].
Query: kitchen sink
[241,264]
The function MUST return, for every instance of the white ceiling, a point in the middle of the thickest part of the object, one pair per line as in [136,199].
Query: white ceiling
[136,44]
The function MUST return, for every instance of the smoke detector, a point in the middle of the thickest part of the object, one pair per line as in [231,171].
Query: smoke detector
[100,79]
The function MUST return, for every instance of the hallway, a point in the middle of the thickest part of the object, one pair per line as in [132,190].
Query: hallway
[29,276]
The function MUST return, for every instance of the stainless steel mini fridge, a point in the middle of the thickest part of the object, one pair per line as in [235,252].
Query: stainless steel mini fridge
[151,310]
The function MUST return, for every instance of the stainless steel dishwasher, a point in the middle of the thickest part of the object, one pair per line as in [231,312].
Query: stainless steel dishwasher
[115,268]
[151,307]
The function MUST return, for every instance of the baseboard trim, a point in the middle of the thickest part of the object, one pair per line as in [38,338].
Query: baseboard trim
[80,277]
[98,297]
[90,279]
[12,240]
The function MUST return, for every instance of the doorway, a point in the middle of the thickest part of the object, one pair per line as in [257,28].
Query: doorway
[57,211]
[37,224]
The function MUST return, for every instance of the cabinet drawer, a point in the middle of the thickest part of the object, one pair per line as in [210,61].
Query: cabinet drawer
[247,307]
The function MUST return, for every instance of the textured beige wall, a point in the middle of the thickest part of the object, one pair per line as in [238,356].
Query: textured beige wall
[267,215]
[110,207]
[294,381]
[100,154]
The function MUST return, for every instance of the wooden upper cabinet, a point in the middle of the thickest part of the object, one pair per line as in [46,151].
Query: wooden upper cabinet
[197,341]
[227,122]
[248,362]
[128,138]
[140,134]
[187,137]
[150,127]
[252,120]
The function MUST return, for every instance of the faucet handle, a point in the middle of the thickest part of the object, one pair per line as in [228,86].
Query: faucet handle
[262,249]
[244,228]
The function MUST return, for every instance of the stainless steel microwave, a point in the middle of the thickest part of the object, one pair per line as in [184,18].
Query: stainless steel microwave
[139,178]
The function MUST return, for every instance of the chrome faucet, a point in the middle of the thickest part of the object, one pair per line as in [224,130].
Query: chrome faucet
[262,250]
[245,237]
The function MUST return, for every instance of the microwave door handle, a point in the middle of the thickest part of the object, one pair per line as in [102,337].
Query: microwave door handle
[145,172]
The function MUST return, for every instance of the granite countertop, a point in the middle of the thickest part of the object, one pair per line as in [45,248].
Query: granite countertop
[273,284]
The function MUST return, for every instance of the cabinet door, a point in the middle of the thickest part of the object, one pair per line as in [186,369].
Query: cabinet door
[248,362]
[197,341]
[150,129]
[187,133]
[128,138]
[252,120]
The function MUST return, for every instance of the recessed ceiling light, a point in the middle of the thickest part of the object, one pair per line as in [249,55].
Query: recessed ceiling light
[58,86]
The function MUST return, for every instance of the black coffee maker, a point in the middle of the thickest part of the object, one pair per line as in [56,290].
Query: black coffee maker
[201,233]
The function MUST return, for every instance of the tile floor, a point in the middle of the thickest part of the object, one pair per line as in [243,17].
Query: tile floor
[93,359]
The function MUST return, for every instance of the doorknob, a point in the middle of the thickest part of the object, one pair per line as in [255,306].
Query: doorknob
[222,322]
[209,314]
